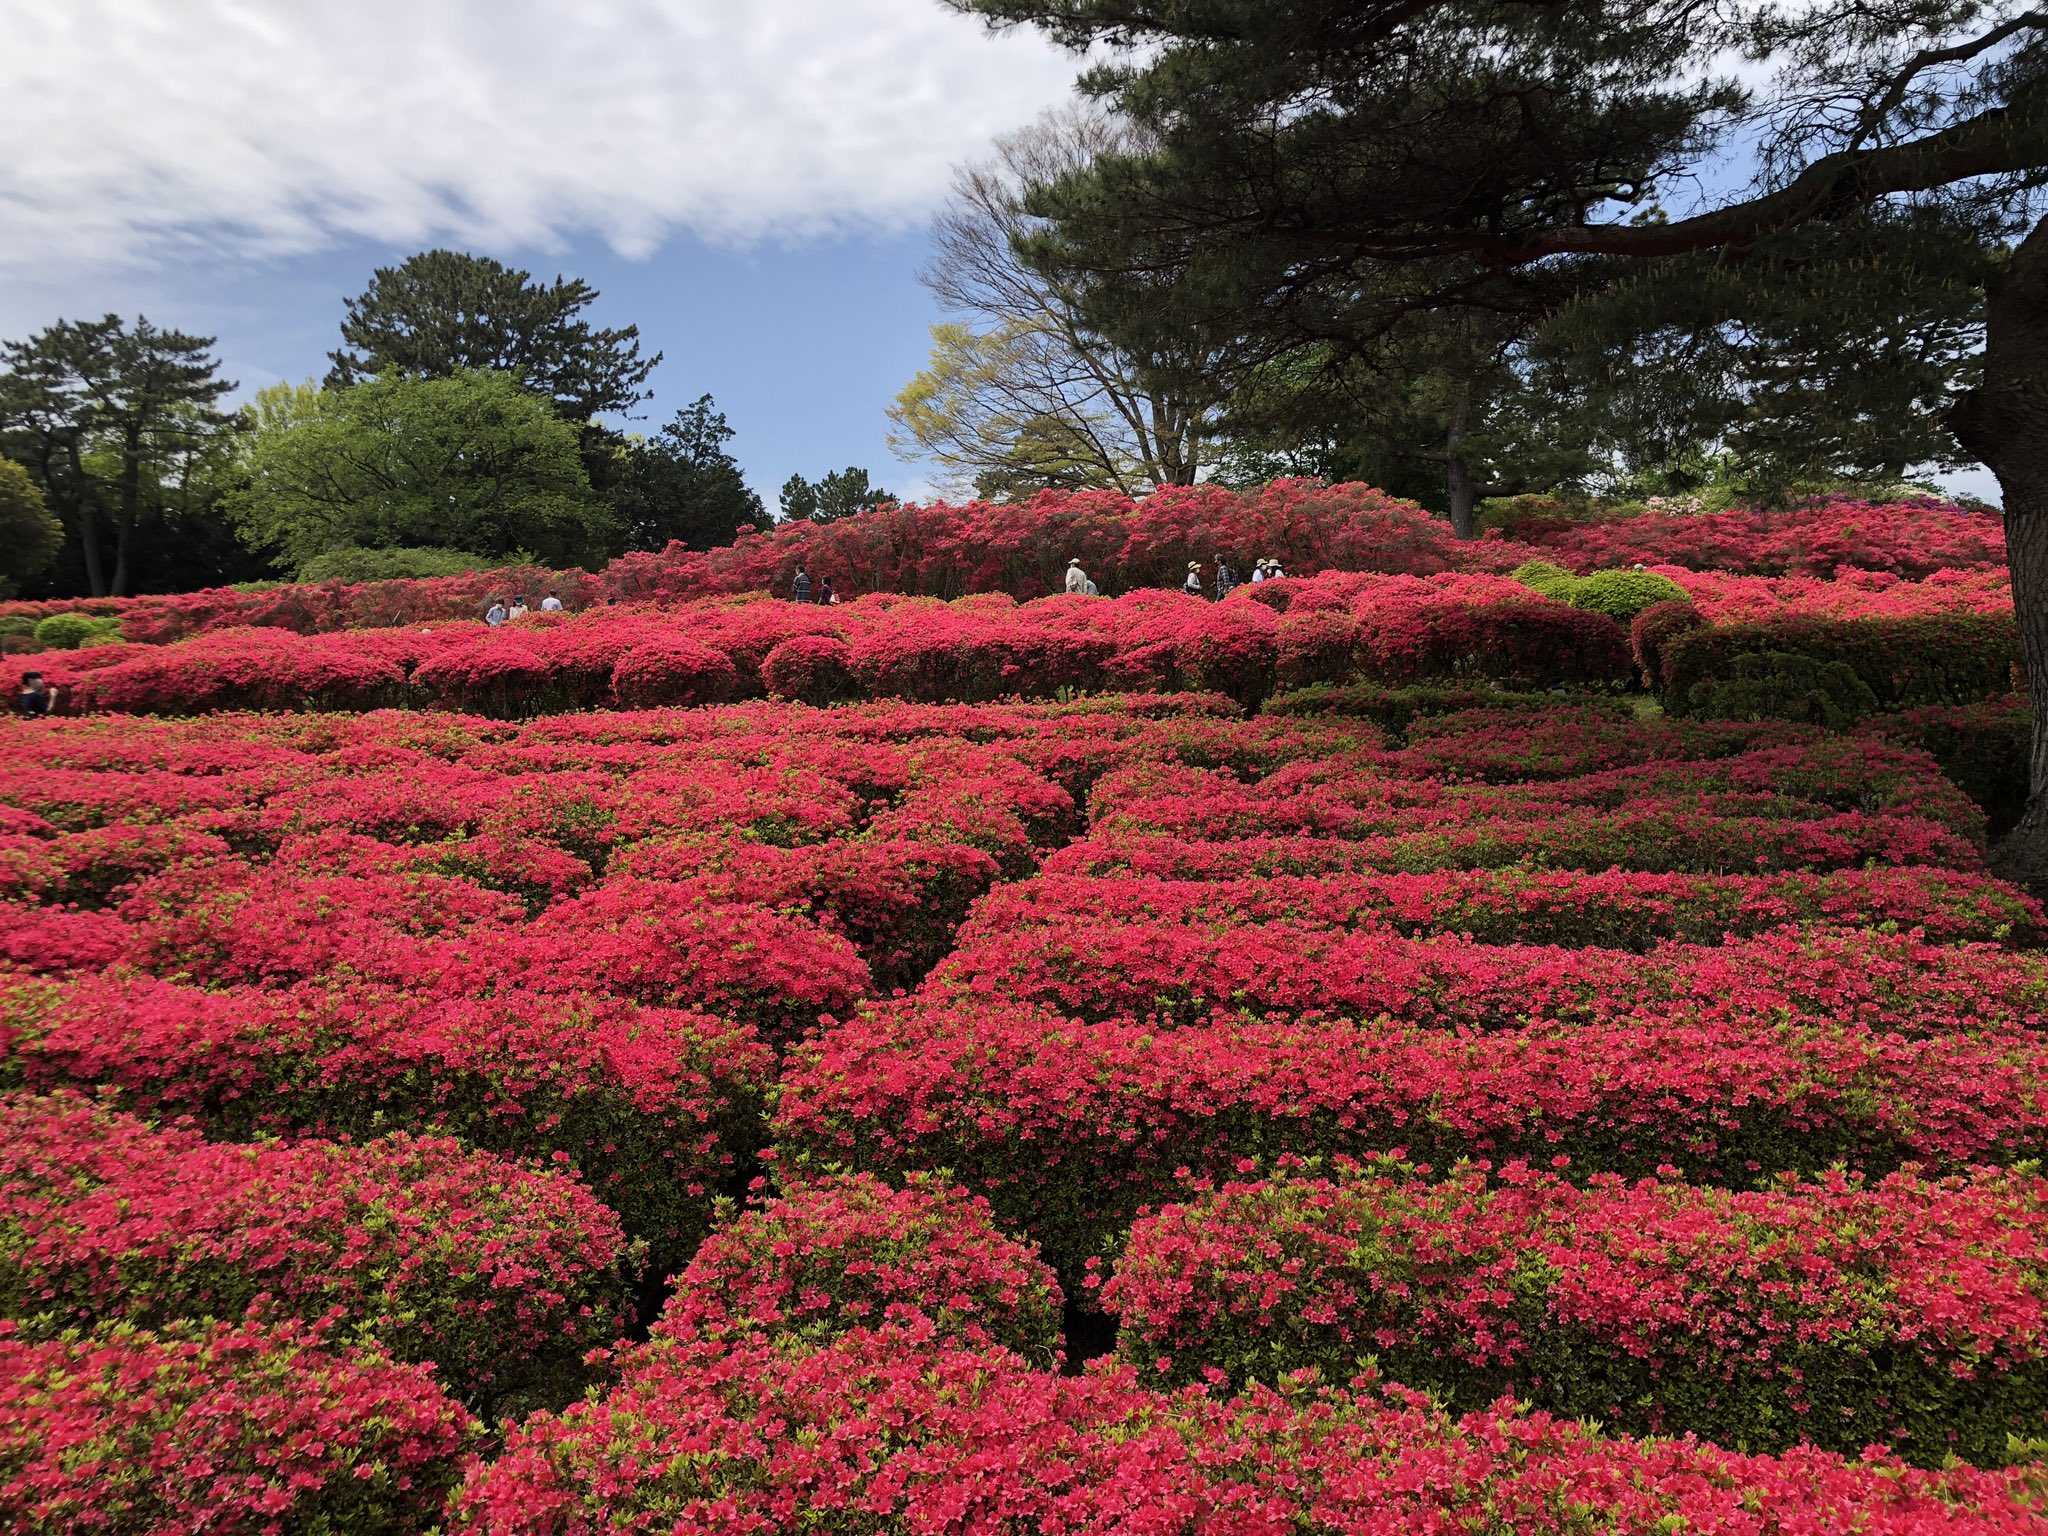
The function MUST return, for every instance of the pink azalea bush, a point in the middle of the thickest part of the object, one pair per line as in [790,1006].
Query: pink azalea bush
[1909,1310]
[220,1429]
[495,1273]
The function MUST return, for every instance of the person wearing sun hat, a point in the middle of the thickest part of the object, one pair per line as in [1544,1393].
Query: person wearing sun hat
[1259,570]
[1077,579]
[1193,585]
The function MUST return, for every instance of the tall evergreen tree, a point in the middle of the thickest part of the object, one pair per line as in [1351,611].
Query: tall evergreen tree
[842,493]
[1321,170]
[682,484]
[441,312]
[107,416]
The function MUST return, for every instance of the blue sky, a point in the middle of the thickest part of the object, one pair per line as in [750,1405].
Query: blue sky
[801,343]
[748,181]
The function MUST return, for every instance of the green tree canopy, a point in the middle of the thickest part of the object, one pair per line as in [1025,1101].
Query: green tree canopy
[445,312]
[29,535]
[839,494]
[682,484]
[471,462]
[120,427]
[1822,233]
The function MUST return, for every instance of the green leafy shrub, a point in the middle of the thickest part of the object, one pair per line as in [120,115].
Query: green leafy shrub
[16,624]
[353,563]
[1621,595]
[1784,685]
[71,631]
[1984,748]
[1906,663]
[1544,577]
[1396,709]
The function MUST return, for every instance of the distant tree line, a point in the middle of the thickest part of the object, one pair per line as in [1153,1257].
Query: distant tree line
[472,413]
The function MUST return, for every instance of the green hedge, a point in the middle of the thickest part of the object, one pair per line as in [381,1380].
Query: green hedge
[1905,663]
[1396,709]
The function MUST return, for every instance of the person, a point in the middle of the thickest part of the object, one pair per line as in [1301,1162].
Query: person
[551,604]
[518,608]
[1226,579]
[1093,590]
[1273,571]
[800,589]
[1193,585]
[35,697]
[1077,579]
[496,614]
[825,593]
[1259,571]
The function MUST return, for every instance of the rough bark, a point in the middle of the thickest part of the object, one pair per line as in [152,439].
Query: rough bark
[2004,422]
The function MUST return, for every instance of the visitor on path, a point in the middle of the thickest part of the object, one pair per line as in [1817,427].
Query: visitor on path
[35,697]
[826,595]
[1273,571]
[1226,579]
[1193,585]
[1077,579]
[518,608]
[551,604]
[496,614]
[800,589]
[1259,570]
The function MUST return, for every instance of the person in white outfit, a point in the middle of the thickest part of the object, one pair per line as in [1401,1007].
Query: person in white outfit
[1077,579]
[551,604]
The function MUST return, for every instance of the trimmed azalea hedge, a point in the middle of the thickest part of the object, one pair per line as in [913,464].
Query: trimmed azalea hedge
[1070,1128]
[846,1251]
[1109,966]
[1613,909]
[1910,1311]
[656,1110]
[930,1435]
[499,1275]
[218,1429]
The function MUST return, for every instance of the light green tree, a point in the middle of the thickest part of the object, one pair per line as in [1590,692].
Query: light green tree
[468,462]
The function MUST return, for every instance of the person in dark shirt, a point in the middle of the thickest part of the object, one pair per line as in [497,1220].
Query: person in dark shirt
[35,697]
[800,589]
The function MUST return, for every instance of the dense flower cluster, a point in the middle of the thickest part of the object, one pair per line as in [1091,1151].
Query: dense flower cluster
[932,1436]
[1911,538]
[1911,1310]
[492,1272]
[847,1251]
[863,1024]
[220,1430]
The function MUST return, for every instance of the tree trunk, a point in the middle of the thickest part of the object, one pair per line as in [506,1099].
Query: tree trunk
[2004,422]
[123,537]
[1464,495]
[1457,473]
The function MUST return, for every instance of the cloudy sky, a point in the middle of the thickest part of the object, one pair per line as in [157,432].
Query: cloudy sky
[747,180]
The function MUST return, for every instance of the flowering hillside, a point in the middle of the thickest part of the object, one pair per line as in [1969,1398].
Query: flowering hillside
[1391,1050]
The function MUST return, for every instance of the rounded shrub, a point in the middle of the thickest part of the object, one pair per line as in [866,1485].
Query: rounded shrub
[673,670]
[811,669]
[69,631]
[1621,595]
[1654,628]
[1544,577]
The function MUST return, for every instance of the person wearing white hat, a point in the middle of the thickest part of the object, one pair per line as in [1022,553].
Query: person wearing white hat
[1077,579]
[1193,585]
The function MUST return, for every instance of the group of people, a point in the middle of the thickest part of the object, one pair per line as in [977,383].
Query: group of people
[1226,578]
[801,590]
[503,612]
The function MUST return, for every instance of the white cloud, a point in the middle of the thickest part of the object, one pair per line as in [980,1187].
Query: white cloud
[140,128]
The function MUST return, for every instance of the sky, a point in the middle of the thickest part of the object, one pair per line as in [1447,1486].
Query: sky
[748,181]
